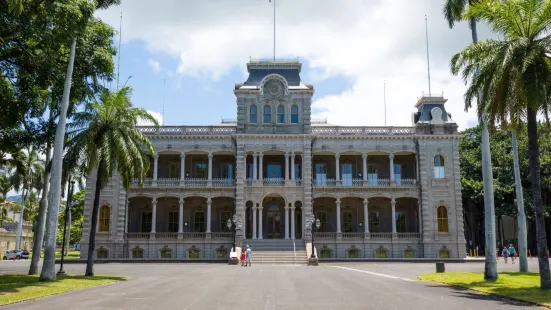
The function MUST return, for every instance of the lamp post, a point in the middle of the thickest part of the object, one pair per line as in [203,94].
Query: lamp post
[315,227]
[67,210]
[232,227]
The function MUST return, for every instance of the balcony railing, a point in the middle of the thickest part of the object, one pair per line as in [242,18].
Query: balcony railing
[298,182]
[188,130]
[137,236]
[146,182]
[194,235]
[223,182]
[195,182]
[326,235]
[408,236]
[167,182]
[372,236]
[353,235]
[222,235]
[362,131]
[380,182]
[274,182]
[381,236]
[166,235]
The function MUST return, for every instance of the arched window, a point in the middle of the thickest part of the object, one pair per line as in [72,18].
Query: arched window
[102,253]
[294,114]
[442,215]
[252,114]
[267,114]
[281,114]
[137,252]
[439,171]
[104,218]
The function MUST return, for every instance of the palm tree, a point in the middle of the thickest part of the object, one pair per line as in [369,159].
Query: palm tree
[514,82]
[104,138]
[48,266]
[5,186]
[453,11]
[23,178]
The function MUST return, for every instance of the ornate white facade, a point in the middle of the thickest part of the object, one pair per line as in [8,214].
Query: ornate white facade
[379,192]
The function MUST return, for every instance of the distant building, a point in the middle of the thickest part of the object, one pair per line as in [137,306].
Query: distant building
[8,232]
[378,192]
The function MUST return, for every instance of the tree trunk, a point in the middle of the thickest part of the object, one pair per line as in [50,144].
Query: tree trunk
[38,237]
[20,222]
[94,225]
[48,267]
[521,216]
[534,160]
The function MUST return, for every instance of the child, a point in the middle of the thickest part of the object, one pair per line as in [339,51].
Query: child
[242,257]
[505,254]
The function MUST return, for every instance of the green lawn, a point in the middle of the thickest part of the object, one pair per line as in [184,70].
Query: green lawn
[15,288]
[522,286]
[71,254]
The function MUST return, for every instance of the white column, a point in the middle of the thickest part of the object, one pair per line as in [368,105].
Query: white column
[260,222]
[286,166]
[209,207]
[181,216]
[338,215]
[366,216]
[391,159]
[364,158]
[210,166]
[293,222]
[254,166]
[155,166]
[254,220]
[338,168]
[182,166]
[393,202]
[260,166]
[286,222]
[154,215]
[293,166]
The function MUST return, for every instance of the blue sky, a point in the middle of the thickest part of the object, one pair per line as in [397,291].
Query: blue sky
[348,50]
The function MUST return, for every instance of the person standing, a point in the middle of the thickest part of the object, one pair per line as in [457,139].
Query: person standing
[249,256]
[505,254]
[242,257]
[512,253]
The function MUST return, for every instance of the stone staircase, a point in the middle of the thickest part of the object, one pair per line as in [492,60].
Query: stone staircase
[278,251]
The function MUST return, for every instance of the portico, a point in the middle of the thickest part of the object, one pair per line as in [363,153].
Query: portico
[274,219]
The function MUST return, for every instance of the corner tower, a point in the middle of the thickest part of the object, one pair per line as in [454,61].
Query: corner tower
[273,99]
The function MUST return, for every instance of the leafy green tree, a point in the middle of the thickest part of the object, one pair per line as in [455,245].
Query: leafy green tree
[514,82]
[104,138]
[453,12]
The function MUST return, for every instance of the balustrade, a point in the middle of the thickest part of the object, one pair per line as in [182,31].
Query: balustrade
[166,235]
[222,235]
[409,236]
[325,235]
[194,235]
[274,182]
[188,130]
[353,235]
[349,130]
[381,236]
[220,182]
[137,236]
[168,182]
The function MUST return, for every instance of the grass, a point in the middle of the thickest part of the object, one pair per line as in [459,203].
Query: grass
[14,288]
[521,286]
[70,255]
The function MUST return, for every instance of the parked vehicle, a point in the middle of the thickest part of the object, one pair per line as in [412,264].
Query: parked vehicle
[16,254]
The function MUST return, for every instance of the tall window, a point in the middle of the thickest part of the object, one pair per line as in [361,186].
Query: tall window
[442,215]
[322,216]
[401,222]
[252,114]
[224,217]
[173,221]
[146,221]
[201,170]
[199,221]
[104,218]
[374,221]
[372,175]
[347,221]
[267,114]
[439,171]
[281,114]
[294,114]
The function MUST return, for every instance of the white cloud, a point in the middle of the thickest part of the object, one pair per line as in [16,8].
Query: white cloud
[155,115]
[364,42]
[155,65]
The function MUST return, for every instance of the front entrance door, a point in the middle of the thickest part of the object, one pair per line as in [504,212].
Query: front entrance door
[273,227]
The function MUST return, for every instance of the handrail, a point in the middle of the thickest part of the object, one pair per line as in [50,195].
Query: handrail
[362,130]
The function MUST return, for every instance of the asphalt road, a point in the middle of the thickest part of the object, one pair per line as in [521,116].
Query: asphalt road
[219,286]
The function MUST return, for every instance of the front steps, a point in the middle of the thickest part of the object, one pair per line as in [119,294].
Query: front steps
[277,251]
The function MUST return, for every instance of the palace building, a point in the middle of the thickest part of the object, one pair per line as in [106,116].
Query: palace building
[378,192]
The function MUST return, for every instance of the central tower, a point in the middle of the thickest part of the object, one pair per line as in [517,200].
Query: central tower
[273,99]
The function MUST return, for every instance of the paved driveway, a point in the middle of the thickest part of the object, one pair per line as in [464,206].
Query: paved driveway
[219,286]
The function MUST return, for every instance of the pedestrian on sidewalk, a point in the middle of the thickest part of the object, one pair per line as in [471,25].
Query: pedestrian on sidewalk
[505,254]
[512,253]
[242,257]
[248,255]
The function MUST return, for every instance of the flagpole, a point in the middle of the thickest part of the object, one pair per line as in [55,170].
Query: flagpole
[428,59]
[384,97]
[274,30]
[119,51]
